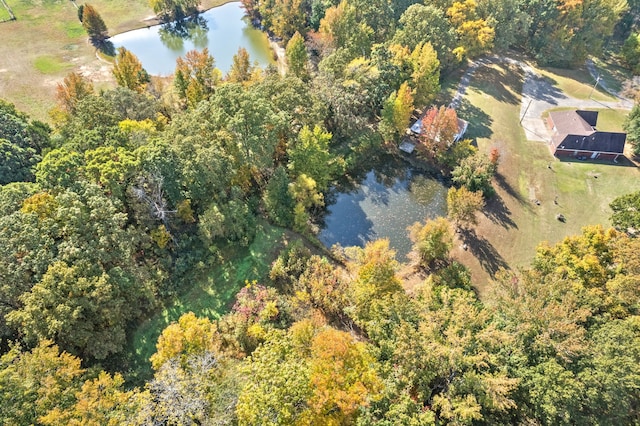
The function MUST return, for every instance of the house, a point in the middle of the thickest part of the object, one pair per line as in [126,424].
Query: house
[575,135]
[416,128]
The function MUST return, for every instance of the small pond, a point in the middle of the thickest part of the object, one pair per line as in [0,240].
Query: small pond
[223,30]
[382,204]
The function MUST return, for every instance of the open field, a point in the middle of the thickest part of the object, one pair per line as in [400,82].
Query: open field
[47,41]
[211,294]
[532,186]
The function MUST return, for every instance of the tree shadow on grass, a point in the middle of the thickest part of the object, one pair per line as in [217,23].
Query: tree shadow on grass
[479,121]
[506,186]
[489,258]
[498,212]
[105,47]
[502,85]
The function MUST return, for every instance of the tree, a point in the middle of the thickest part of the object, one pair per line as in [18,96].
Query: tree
[33,383]
[241,69]
[632,127]
[309,155]
[128,71]
[196,76]
[427,24]
[462,205]
[425,77]
[179,341]
[344,377]
[72,90]
[475,173]
[631,52]
[277,198]
[626,212]
[94,25]
[431,241]
[438,129]
[101,401]
[475,35]
[396,113]
[297,57]
[277,389]
[170,10]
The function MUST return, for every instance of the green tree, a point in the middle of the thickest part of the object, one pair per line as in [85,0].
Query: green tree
[297,57]
[631,52]
[626,212]
[396,113]
[462,205]
[170,10]
[277,389]
[94,25]
[309,155]
[128,71]
[195,77]
[632,127]
[277,198]
[475,173]
[425,77]
[432,241]
[241,69]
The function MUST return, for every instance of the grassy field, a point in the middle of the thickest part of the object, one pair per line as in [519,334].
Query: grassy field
[532,186]
[47,41]
[576,83]
[210,295]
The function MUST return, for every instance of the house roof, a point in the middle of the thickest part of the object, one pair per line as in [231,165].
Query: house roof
[575,130]
[462,128]
[597,141]
[573,122]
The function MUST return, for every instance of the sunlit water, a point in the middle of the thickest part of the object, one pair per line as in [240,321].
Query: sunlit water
[383,206]
[225,30]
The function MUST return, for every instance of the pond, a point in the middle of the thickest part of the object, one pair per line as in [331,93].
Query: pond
[223,30]
[382,205]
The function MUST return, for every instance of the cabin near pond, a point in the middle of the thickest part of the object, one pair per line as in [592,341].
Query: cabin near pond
[575,136]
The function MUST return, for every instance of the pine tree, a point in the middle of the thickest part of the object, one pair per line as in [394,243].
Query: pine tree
[94,25]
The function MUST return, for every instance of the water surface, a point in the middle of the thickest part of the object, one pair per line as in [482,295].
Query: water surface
[222,29]
[383,205]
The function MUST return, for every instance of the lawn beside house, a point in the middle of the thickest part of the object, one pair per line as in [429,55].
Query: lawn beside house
[532,186]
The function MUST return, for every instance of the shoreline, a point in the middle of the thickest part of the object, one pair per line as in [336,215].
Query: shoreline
[153,20]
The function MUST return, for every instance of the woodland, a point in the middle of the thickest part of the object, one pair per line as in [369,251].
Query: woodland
[128,195]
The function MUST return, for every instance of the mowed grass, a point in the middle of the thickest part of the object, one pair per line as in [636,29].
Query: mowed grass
[576,83]
[51,29]
[532,187]
[210,296]
[50,64]
[612,74]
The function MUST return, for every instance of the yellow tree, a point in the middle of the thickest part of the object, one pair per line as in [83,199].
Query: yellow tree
[425,76]
[196,76]
[475,35]
[344,378]
[128,71]
[396,113]
[189,336]
[462,205]
[432,241]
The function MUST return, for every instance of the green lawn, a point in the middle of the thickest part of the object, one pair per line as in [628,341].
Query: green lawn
[576,83]
[210,296]
[514,223]
[612,74]
[50,64]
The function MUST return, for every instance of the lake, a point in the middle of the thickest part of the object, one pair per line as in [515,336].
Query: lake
[223,30]
[382,205]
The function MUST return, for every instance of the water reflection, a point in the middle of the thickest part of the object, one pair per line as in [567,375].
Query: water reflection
[194,28]
[223,30]
[382,204]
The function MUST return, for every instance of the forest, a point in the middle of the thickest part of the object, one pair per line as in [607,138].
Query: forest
[128,195]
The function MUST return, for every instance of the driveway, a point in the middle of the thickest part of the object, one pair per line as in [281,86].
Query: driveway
[538,96]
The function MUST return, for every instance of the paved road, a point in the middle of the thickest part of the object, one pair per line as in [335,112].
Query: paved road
[538,96]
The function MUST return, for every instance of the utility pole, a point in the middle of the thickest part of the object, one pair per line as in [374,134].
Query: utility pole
[594,86]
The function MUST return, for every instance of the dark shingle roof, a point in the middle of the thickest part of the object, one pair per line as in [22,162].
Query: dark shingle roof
[575,130]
